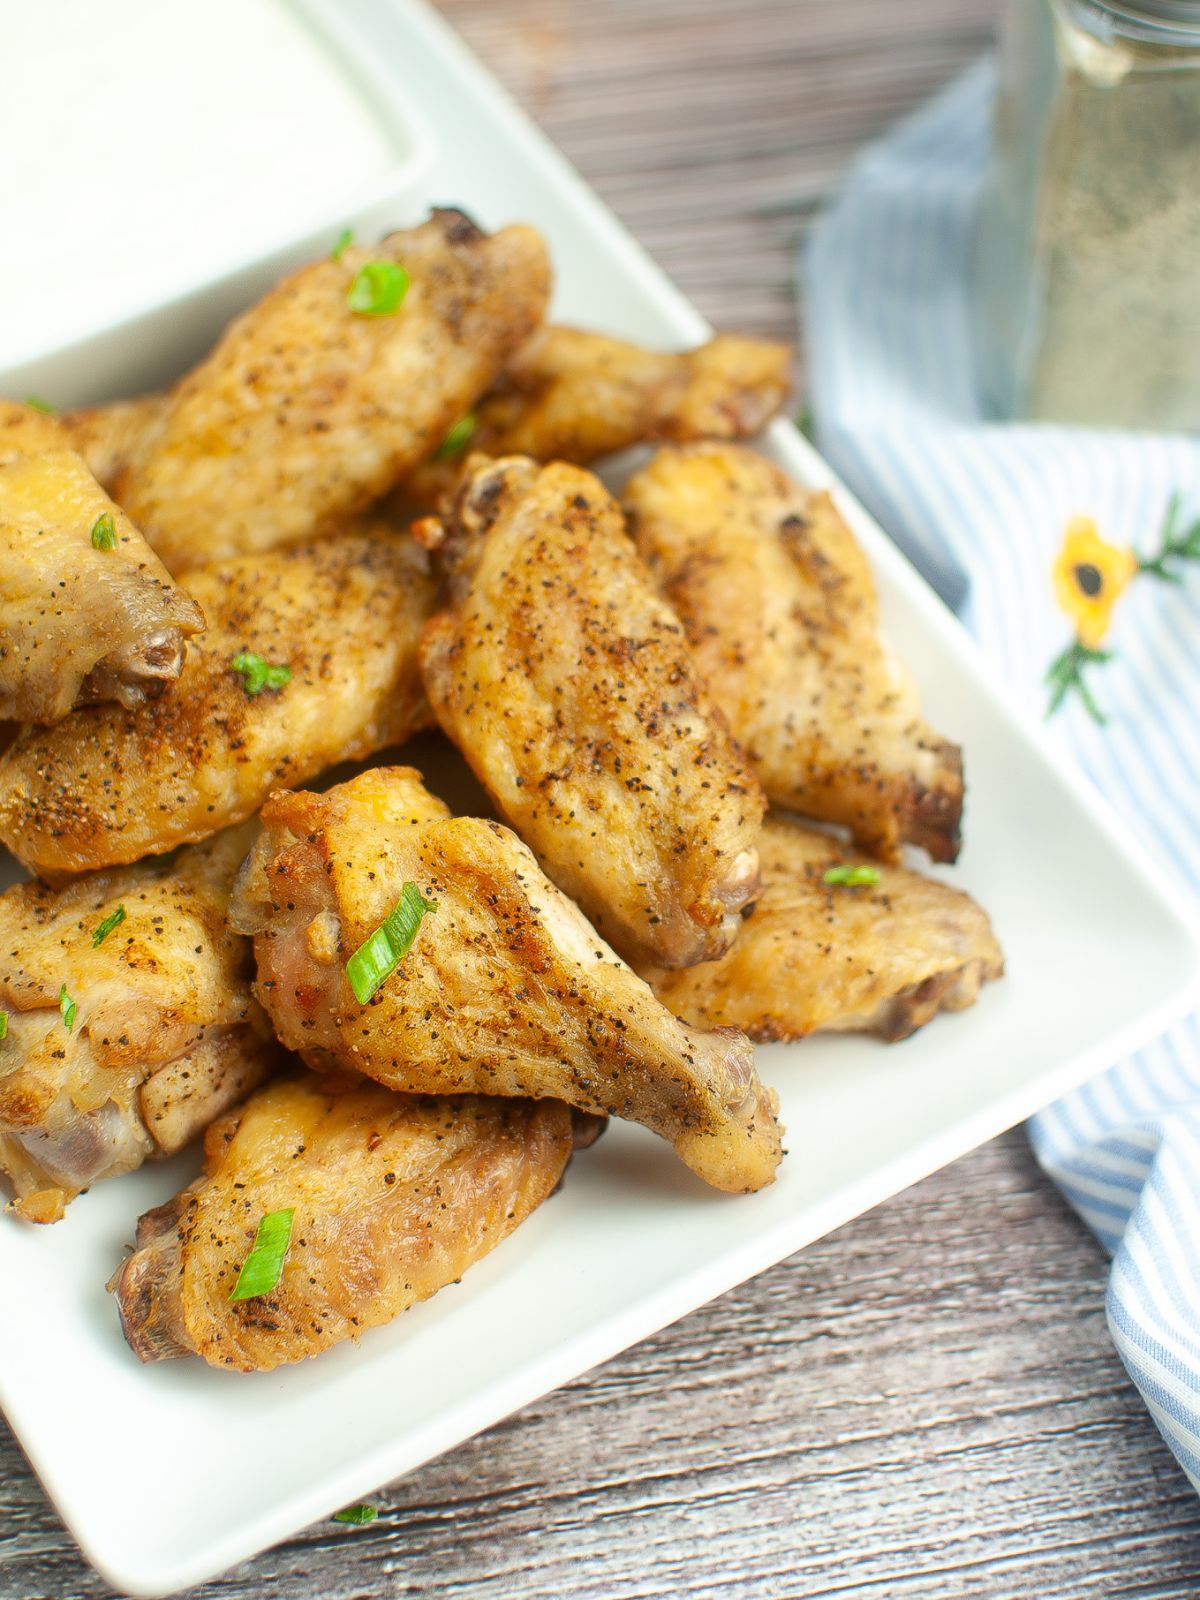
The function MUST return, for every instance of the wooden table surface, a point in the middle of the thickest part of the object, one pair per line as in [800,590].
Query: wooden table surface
[926,1403]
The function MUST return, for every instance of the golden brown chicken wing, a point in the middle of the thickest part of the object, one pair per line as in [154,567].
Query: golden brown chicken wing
[87,610]
[393,1197]
[105,436]
[778,602]
[310,658]
[879,957]
[568,395]
[568,685]
[506,989]
[130,1023]
[319,399]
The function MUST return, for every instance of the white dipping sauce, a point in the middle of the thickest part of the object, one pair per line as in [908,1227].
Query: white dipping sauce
[148,143]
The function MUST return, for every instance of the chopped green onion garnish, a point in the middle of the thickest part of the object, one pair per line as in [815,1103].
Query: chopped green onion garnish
[3,1024]
[111,921]
[457,440]
[36,402]
[378,289]
[258,673]
[344,240]
[378,957]
[262,1267]
[66,1007]
[356,1514]
[851,875]
[104,532]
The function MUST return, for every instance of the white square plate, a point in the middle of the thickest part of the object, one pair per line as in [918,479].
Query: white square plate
[168,1474]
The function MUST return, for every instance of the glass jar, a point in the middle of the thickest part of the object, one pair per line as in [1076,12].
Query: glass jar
[1087,259]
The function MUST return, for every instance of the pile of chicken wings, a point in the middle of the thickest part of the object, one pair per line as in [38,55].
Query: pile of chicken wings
[369,513]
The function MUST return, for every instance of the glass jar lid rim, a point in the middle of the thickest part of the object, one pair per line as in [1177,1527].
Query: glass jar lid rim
[1163,17]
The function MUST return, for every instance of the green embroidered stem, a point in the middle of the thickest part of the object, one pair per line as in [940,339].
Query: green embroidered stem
[1176,546]
[1066,677]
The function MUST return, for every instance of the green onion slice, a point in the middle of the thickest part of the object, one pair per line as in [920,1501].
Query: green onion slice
[114,919]
[356,1514]
[36,403]
[3,1024]
[262,1267]
[344,240]
[378,289]
[378,957]
[851,875]
[104,532]
[66,1008]
[258,673]
[457,440]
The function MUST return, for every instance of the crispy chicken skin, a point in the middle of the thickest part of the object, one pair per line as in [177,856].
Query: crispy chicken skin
[880,959]
[107,785]
[569,395]
[105,435]
[568,684]
[505,990]
[394,1195]
[307,411]
[77,623]
[165,1034]
[778,602]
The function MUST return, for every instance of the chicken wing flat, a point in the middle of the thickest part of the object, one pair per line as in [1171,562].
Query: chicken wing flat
[131,1025]
[309,409]
[105,436]
[506,989]
[394,1196]
[87,610]
[877,958]
[778,602]
[568,395]
[310,658]
[568,684]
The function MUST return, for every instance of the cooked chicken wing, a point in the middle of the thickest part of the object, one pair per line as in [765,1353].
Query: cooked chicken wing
[505,989]
[87,610]
[308,409]
[394,1196]
[778,602]
[105,436]
[310,658]
[130,1020]
[568,395]
[874,958]
[568,685]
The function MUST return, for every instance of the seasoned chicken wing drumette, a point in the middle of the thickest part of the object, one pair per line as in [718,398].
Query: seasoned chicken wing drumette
[394,1196]
[879,957]
[568,684]
[105,436]
[131,1025]
[310,658]
[87,610]
[309,409]
[506,989]
[569,395]
[779,605]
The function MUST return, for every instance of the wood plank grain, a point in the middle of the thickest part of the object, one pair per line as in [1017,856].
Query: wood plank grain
[926,1404]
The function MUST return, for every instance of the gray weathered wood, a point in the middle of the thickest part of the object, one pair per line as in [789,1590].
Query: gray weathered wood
[926,1404]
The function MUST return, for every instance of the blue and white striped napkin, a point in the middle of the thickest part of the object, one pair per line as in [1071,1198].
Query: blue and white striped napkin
[1033,534]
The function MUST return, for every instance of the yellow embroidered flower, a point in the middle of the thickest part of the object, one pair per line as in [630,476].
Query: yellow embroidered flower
[1090,576]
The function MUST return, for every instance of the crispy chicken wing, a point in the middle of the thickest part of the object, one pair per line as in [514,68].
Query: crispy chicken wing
[505,990]
[881,958]
[394,1196]
[568,685]
[123,1049]
[343,617]
[106,435]
[307,410]
[568,395]
[778,602]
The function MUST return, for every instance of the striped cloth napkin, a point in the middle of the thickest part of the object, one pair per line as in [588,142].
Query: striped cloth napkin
[1074,557]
